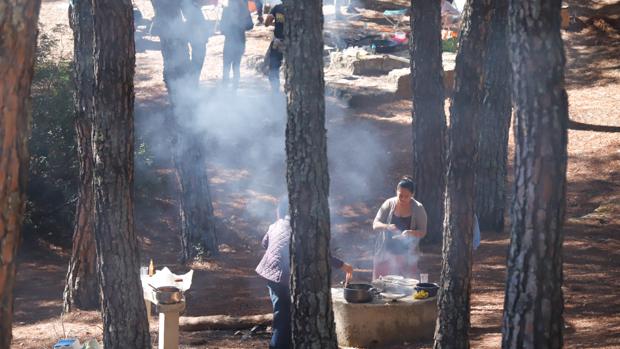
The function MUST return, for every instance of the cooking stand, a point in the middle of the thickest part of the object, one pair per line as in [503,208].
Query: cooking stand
[168,320]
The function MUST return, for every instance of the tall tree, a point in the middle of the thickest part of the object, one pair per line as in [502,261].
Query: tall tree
[453,315]
[494,124]
[307,177]
[429,119]
[533,305]
[81,287]
[18,25]
[124,312]
[198,234]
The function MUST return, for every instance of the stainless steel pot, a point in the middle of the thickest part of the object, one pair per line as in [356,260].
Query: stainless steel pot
[168,295]
[359,293]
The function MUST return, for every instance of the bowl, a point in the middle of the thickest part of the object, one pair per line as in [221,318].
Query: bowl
[428,287]
[168,295]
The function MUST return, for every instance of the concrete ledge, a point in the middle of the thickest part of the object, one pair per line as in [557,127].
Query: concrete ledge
[383,322]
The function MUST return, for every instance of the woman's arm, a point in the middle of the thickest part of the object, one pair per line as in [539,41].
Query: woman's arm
[265,242]
[345,267]
[379,223]
[420,223]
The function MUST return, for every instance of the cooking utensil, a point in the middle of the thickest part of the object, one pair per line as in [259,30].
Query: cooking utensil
[385,45]
[168,294]
[428,287]
[359,293]
[392,296]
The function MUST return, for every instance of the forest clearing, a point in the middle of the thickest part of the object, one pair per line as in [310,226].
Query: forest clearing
[243,135]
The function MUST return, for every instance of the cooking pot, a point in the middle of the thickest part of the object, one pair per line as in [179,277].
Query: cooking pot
[168,295]
[385,45]
[359,293]
[428,287]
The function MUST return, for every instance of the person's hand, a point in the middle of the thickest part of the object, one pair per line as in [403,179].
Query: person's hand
[348,272]
[391,227]
[413,233]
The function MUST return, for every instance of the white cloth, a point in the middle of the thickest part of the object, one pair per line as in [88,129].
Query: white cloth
[165,277]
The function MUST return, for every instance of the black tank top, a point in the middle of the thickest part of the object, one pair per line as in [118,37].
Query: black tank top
[402,223]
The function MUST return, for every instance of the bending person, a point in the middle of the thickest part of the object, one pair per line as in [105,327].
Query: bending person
[401,224]
[275,268]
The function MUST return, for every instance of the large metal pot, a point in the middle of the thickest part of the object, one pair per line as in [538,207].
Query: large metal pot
[358,293]
[168,295]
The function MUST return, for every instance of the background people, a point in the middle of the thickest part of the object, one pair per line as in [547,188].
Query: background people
[276,48]
[236,20]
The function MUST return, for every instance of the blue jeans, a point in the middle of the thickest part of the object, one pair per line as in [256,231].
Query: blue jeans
[281,300]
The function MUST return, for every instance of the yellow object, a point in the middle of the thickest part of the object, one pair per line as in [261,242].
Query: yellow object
[420,295]
[151,268]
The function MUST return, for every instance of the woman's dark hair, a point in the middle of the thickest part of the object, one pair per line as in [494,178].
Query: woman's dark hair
[407,183]
[283,207]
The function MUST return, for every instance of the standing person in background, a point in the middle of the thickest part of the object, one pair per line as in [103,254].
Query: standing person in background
[197,33]
[259,10]
[275,268]
[276,48]
[236,20]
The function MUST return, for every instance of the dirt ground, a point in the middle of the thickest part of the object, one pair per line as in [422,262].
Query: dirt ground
[244,200]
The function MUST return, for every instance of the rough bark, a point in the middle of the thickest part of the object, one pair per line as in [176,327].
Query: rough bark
[307,177]
[533,304]
[81,287]
[18,25]
[198,234]
[494,124]
[429,119]
[124,313]
[454,294]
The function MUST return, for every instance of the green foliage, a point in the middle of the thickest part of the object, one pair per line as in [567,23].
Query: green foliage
[449,45]
[54,165]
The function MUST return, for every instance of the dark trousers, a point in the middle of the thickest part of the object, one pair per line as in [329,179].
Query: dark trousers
[233,51]
[259,7]
[199,51]
[281,300]
[275,61]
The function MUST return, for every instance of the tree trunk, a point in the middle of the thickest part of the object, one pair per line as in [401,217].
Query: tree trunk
[198,234]
[307,177]
[124,312]
[81,287]
[494,124]
[533,305]
[429,119]
[18,25]
[453,303]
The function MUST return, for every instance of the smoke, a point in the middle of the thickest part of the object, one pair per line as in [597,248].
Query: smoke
[243,132]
